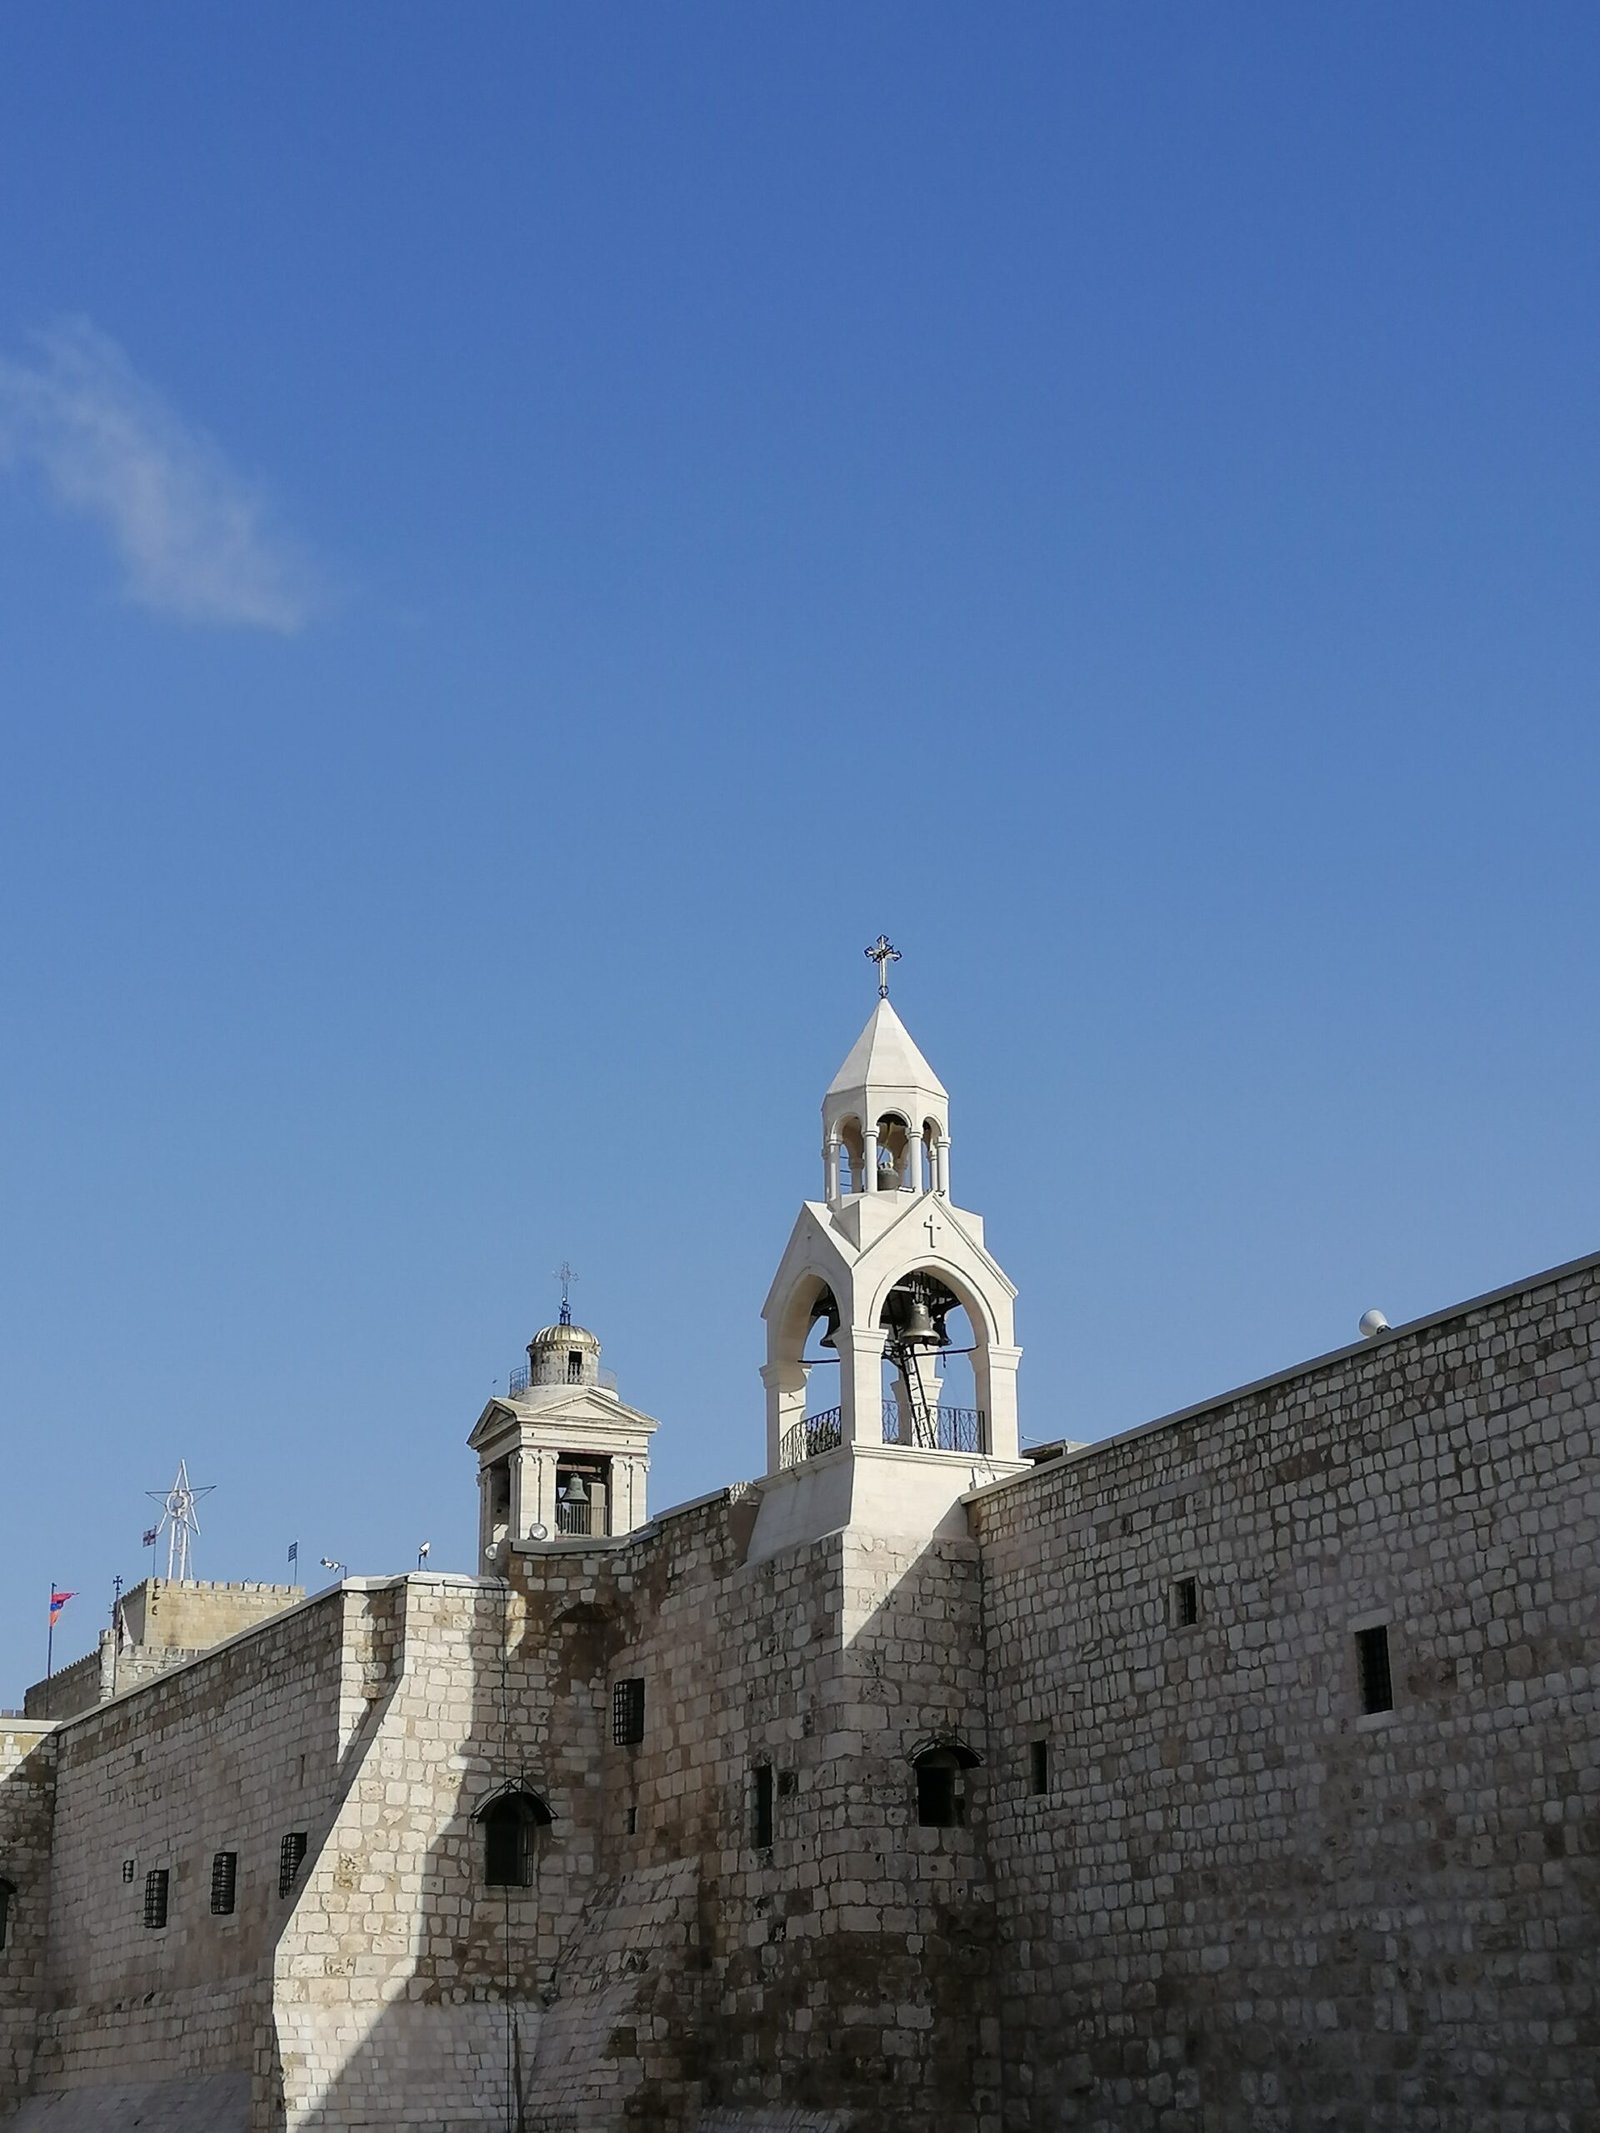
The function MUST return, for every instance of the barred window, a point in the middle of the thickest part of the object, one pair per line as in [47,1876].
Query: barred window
[627,1713]
[155,1896]
[224,1881]
[291,1852]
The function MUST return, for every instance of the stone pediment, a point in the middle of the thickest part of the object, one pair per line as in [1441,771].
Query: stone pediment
[581,1410]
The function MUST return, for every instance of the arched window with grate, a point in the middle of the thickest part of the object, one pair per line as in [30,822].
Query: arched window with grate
[511,1823]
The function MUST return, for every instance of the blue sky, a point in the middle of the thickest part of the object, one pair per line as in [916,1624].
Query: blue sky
[527,536]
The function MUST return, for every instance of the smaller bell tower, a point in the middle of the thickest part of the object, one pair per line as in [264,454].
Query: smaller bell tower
[560,1457]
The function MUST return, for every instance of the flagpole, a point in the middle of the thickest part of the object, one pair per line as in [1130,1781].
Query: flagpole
[50,1634]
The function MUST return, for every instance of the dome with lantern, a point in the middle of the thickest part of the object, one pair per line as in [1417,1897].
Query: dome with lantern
[564,1354]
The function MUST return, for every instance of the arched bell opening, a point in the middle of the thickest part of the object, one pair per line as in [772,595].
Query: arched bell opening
[895,1151]
[958,1382]
[852,1156]
[933,1156]
[933,1365]
[511,1825]
[821,1348]
[804,1379]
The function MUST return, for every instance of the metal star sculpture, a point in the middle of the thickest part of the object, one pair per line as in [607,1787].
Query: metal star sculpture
[178,1520]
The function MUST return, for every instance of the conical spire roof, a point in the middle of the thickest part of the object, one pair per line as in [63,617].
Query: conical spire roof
[885,1056]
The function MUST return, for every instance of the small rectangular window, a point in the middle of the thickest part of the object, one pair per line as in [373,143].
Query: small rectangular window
[155,1897]
[290,1854]
[633,1821]
[761,1804]
[1039,1766]
[224,1881]
[7,1892]
[627,1713]
[127,1869]
[1372,1660]
[1183,1603]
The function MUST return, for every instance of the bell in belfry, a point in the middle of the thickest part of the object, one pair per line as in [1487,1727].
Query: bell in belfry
[830,1332]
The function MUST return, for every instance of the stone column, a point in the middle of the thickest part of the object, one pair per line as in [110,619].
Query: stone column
[994,1372]
[485,1518]
[861,1383]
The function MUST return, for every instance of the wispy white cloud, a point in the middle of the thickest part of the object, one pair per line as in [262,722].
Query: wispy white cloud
[193,536]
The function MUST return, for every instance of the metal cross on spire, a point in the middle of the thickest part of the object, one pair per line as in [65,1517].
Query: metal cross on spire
[178,1520]
[883,952]
[566,1277]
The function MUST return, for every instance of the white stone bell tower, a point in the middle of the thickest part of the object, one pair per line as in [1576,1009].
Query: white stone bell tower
[560,1457]
[882,1260]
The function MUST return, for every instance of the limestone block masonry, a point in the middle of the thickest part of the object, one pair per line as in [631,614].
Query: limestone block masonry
[165,1623]
[1243,1901]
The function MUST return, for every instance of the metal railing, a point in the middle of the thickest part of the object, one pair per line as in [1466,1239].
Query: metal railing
[952,1429]
[808,1438]
[574,1517]
[522,1377]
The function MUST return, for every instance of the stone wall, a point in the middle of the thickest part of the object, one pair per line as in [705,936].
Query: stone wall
[26,1804]
[661,1964]
[167,1624]
[230,1753]
[193,1615]
[68,1690]
[1243,1903]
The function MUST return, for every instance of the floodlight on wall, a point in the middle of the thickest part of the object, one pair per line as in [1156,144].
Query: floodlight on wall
[1372,1324]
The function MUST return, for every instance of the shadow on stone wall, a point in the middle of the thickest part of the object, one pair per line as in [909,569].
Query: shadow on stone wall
[410,1994]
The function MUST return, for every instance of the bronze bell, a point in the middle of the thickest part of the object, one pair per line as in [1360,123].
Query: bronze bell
[916,1327]
[831,1328]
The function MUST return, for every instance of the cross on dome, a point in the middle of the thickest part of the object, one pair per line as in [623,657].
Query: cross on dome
[566,1276]
[883,952]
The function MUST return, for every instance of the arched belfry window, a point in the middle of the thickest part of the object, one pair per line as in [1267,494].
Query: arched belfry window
[852,1156]
[510,1823]
[941,1772]
[894,1152]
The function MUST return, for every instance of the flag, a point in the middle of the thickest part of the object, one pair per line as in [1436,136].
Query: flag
[294,1551]
[151,1535]
[58,1600]
[124,1634]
